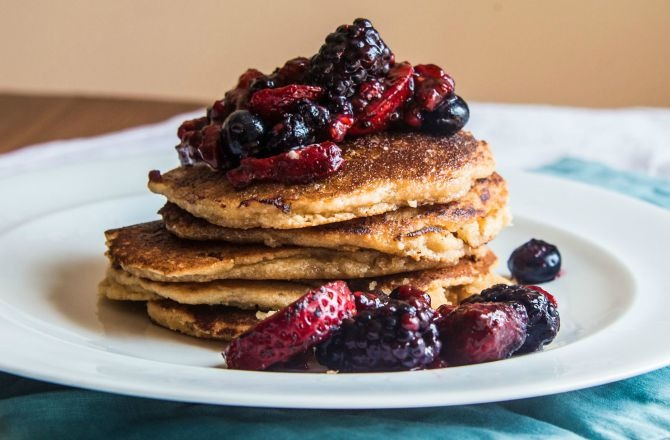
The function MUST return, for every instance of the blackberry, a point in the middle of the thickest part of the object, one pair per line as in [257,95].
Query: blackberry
[351,55]
[543,318]
[308,124]
[400,335]
[535,261]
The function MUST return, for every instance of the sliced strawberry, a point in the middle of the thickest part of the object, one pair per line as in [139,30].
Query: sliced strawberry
[292,330]
[271,104]
[377,115]
[302,165]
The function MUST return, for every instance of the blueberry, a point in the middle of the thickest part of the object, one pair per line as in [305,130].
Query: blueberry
[535,262]
[241,136]
[450,116]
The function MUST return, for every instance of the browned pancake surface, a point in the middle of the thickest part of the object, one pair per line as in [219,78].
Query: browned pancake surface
[202,321]
[424,232]
[148,250]
[382,172]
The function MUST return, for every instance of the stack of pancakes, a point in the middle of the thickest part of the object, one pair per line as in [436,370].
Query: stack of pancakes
[405,208]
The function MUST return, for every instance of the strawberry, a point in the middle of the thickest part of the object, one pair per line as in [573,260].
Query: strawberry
[296,166]
[272,104]
[377,114]
[292,330]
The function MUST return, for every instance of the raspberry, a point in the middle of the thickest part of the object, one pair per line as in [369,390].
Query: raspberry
[481,332]
[296,166]
[397,336]
[431,86]
[350,56]
[543,318]
[292,330]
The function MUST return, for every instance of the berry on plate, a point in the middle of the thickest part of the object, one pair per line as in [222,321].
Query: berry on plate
[400,335]
[535,261]
[482,332]
[543,318]
[293,329]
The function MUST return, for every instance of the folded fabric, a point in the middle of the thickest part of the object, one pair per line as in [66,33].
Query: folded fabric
[635,408]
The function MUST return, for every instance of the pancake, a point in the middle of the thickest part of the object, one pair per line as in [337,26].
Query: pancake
[207,322]
[225,323]
[382,172]
[274,295]
[243,294]
[430,232]
[148,250]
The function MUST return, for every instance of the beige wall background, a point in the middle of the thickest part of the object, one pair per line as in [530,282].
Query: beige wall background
[589,53]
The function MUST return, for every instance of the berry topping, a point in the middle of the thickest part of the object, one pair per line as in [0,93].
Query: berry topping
[378,113]
[370,300]
[241,136]
[351,87]
[432,85]
[272,104]
[397,336]
[234,99]
[481,332]
[296,166]
[543,318]
[450,116]
[309,123]
[293,71]
[292,330]
[535,261]
[406,292]
[350,56]
[210,150]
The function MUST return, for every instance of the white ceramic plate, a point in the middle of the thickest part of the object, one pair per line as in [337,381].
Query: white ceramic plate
[612,297]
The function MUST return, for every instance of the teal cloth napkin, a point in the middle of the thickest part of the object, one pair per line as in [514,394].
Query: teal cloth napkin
[629,409]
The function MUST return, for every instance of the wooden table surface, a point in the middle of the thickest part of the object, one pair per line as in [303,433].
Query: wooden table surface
[29,119]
